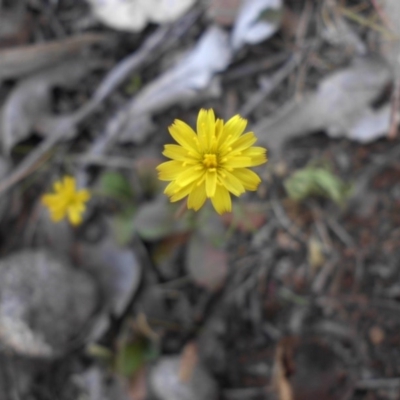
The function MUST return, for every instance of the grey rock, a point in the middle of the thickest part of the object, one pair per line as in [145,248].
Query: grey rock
[45,304]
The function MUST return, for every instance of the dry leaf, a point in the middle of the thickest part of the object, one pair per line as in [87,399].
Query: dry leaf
[189,360]
[23,60]
[29,104]
[190,81]
[133,15]
[257,20]
[118,269]
[337,107]
[165,382]
[206,259]
[224,12]
[316,257]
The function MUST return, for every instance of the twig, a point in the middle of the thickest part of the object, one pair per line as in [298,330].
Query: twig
[365,22]
[394,109]
[382,14]
[285,221]
[271,85]
[375,384]
[149,49]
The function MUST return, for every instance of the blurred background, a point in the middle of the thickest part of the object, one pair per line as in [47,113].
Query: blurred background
[293,295]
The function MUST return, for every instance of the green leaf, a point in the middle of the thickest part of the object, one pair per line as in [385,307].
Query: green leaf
[317,181]
[131,356]
[115,185]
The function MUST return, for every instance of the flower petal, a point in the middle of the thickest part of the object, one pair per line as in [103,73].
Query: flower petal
[249,179]
[197,197]
[211,182]
[74,216]
[206,129]
[181,193]
[172,188]
[244,142]
[82,196]
[184,135]
[175,152]
[169,170]
[202,121]
[232,130]
[257,154]
[221,200]
[69,184]
[189,175]
[237,162]
[231,182]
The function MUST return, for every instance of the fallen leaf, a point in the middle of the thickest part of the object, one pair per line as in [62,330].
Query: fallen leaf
[156,220]
[98,384]
[337,107]
[114,185]
[118,270]
[133,15]
[191,80]
[245,217]
[317,181]
[138,385]
[24,60]
[316,257]
[165,382]
[21,115]
[372,124]
[166,255]
[257,20]
[206,262]
[132,356]
[189,360]
[224,12]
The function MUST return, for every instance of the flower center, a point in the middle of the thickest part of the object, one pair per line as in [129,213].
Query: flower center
[210,161]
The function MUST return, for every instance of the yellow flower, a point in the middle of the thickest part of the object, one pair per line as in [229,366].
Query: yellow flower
[66,201]
[212,163]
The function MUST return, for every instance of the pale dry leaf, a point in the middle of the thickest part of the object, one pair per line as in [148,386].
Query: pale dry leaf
[191,80]
[133,15]
[189,360]
[165,382]
[206,262]
[29,103]
[336,107]
[190,75]
[223,12]
[257,20]
[97,384]
[23,60]
[155,220]
[118,270]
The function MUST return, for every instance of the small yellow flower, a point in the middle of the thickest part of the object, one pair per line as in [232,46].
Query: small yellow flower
[212,163]
[66,201]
